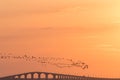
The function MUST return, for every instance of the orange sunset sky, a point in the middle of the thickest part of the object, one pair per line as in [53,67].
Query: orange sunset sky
[86,30]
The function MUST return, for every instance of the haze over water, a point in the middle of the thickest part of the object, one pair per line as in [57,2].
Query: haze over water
[76,29]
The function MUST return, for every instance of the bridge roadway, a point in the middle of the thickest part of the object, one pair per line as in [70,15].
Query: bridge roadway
[50,76]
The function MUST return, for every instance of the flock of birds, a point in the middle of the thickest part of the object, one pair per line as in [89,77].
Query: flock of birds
[58,62]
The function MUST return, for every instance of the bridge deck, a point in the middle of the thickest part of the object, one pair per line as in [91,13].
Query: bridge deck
[55,76]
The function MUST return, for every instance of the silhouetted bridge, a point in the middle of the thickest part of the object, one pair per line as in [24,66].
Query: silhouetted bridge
[50,76]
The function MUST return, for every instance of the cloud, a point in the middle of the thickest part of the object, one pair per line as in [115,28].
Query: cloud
[108,47]
[105,45]
[20,8]
[112,49]
[24,33]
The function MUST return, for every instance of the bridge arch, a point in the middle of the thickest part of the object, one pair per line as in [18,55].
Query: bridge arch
[56,77]
[22,76]
[16,77]
[50,76]
[36,75]
[42,75]
[28,76]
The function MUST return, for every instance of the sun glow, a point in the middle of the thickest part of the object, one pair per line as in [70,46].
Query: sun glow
[81,29]
[114,13]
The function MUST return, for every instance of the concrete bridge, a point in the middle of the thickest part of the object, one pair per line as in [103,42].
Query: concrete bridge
[50,76]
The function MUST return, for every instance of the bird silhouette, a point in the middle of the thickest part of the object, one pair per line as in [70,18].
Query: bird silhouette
[58,62]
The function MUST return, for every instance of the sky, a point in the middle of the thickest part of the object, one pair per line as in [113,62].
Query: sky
[82,30]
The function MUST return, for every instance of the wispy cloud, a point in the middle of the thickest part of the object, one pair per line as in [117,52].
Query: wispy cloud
[20,8]
[105,45]
[108,47]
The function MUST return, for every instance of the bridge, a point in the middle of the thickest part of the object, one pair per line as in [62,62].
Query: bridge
[50,76]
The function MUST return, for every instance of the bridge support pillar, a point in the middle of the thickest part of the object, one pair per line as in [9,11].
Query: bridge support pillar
[46,76]
[60,77]
[39,77]
[26,77]
[32,76]
[68,77]
[54,77]
[65,77]
[18,77]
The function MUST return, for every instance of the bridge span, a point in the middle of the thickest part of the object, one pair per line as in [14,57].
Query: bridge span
[50,76]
